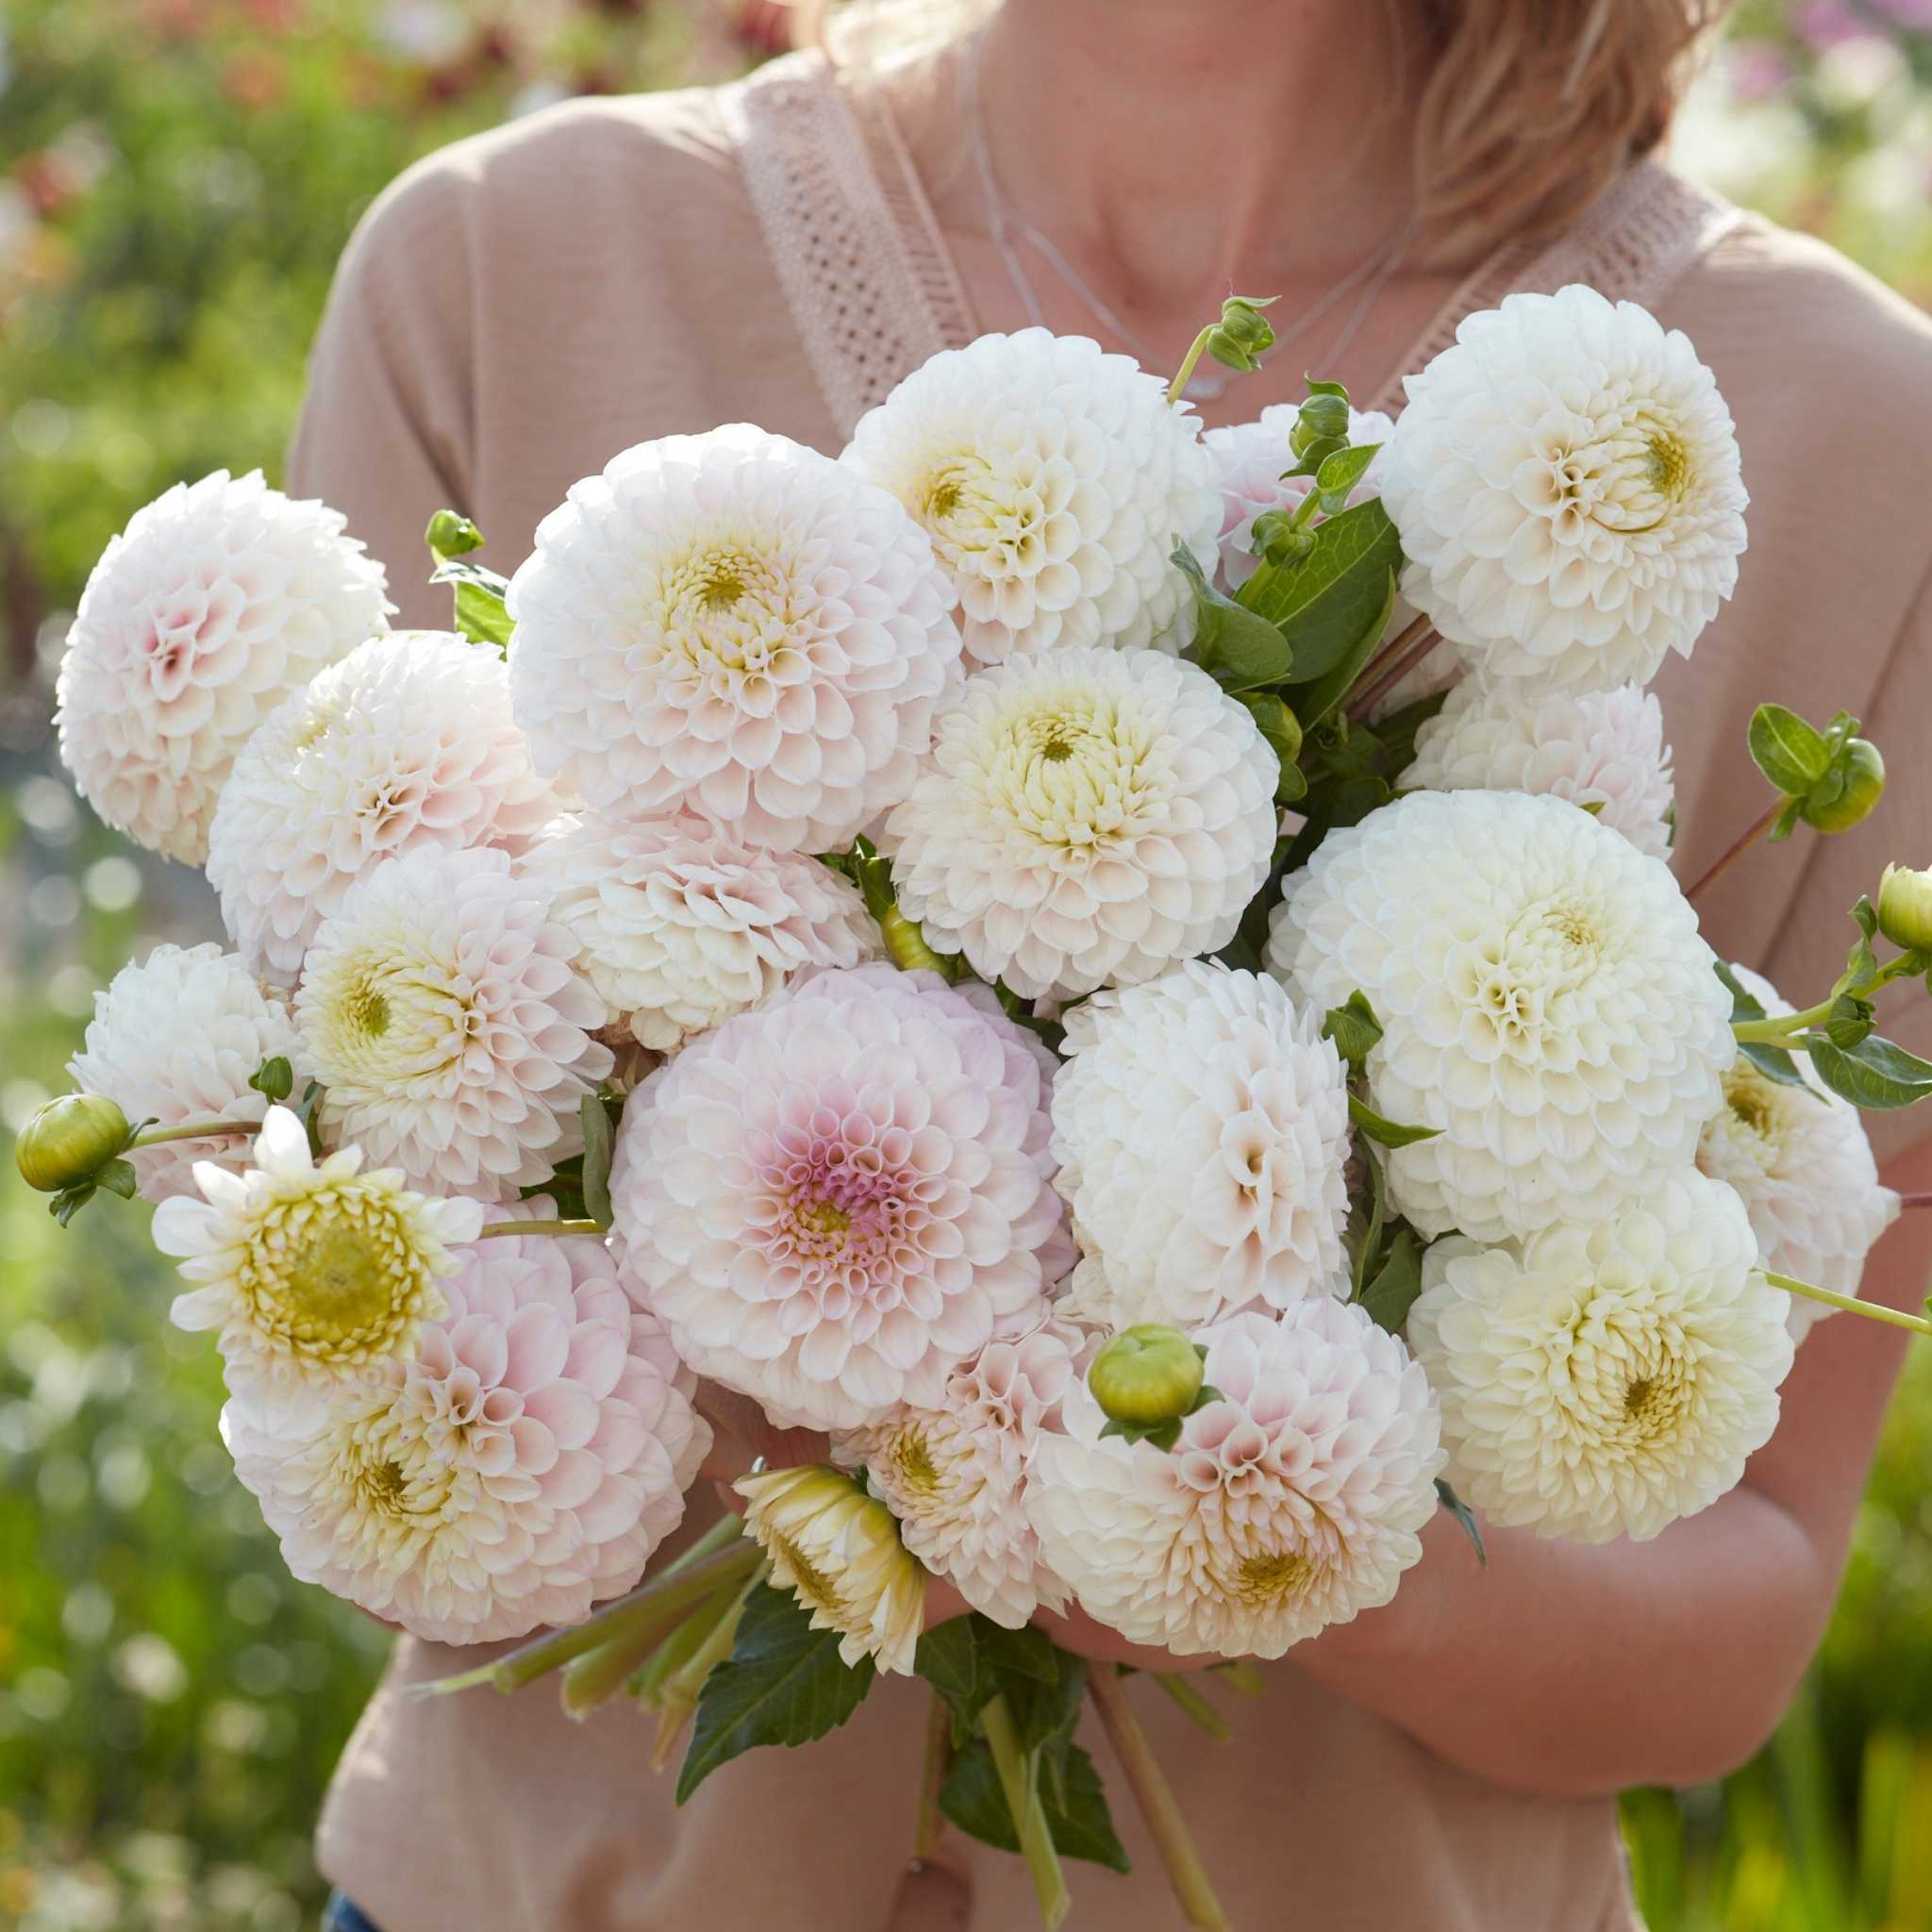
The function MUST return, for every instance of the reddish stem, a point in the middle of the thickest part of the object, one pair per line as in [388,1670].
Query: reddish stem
[1915,1200]
[1408,650]
[1743,843]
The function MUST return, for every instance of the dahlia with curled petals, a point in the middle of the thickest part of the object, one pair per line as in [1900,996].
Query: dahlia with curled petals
[1055,482]
[836,1198]
[1201,1124]
[406,742]
[518,1468]
[1565,480]
[1547,1003]
[734,626]
[1087,816]
[1599,1382]
[678,925]
[441,1010]
[176,1039]
[218,599]
[1290,1501]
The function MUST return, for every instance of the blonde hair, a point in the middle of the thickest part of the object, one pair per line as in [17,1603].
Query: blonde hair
[1527,110]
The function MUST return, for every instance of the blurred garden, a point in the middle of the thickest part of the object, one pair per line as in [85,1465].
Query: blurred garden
[176,179]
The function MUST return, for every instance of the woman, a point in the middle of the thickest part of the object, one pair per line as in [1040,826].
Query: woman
[520,308]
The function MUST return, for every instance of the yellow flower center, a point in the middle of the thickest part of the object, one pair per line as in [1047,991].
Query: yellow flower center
[1274,1577]
[808,1580]
[912,1459]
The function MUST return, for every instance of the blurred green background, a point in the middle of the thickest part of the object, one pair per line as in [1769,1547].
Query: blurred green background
[177,178]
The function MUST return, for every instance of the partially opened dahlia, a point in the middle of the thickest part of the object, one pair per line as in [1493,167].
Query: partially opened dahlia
[1202,1131]
[406,742]
[452,1033]
[835,1199]
[734,626]
[1599,1382]
[1291,1503]
[1055,482]
[218,599]
[518,1468]
[176,1039]
[1548,1005]
[1087,816]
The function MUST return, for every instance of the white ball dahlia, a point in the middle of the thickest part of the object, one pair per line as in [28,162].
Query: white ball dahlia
[519,1468]
[734,626]
[955,1474]
[1800,1160]
[1088,816]
[1202,1131]
[1249,458]
[1565,480]
[310,1274]
[218,599]
[408,742]
[441,1011]
[1055,482]
[1546,1001]
[176,1039]
[1599,1382]
[836,1198]
[1291,1502]
[678,924]
[1601,748]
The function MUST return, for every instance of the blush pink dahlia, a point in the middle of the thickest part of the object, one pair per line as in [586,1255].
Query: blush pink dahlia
[836,1198]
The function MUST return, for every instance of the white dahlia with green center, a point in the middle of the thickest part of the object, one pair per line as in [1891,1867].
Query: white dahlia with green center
[1088,816]
[309,1273]
[1601,1382]
[1565,479]
[1055,482]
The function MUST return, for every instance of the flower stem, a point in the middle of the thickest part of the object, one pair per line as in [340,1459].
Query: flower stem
[1414,642]
[1178,387]
[1153,1795]
[1915,1200]
[1189,1697]
[1742,844]
[502,1229]
[1780,1029]
[1018,1774]
[680,1693]
[191,1130]
[1241,1676]
[1872,1312]
[936,1762]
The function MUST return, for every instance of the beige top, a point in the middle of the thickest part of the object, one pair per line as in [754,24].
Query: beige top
[520,308]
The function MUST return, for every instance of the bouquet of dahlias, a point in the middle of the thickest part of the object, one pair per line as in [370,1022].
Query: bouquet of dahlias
[996,949]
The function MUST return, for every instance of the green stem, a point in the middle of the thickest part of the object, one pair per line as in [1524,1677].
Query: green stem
[936,1762]
[1780,1029]
[1155,1798]
[1872,1312]
[504,1229]
[679,1694]
[1241,1676]
[1020,1779]
[191,1130]
[1189,1697]
[1178,387]
[907,948]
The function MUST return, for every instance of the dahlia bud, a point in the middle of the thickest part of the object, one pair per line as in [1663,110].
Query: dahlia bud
[68,1139]
[1324,418]
[1905,907]
[1241,337]
[1146,1376]
[1862,779]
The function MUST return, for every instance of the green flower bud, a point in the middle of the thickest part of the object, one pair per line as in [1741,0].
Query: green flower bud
[1241,337]
[451,534]
[1146,1376]
[68,1139]
[1905,907]
[1321,418]
[1860,774]
[1278,538]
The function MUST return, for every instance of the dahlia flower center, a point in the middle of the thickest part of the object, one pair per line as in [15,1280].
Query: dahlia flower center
[1072,775]
[1755,1106]
[385,1021]
[727,610]
[998,521]
[913,1464]
[1647,1387]
[812,1583]
[1626,478]
[842,1222]
[1272,1579]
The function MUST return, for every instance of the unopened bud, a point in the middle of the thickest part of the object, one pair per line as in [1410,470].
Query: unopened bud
[1860,775]
[70,1138]
[1146,1376]
[1241,337]
[1905,907]
[1321,418]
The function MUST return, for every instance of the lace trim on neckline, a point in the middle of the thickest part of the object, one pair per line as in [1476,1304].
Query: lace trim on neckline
[874,291]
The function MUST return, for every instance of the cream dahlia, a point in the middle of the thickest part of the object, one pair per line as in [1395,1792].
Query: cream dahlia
[520,1467]
[1202,1131]
[441,1011]
[1055,481]
[1289,1503]
[1249,459]
[678,925]
[309,1273]
[218,599]
[409,741]
[734,626]
[1599,1382]
[1600,748]
[1548,1003]
[1088,816]
[175,1039]
[835,1199]
[1800,1160]
[1565,480]
[955,1474]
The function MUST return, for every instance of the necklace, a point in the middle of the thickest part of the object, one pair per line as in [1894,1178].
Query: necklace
[1009,228]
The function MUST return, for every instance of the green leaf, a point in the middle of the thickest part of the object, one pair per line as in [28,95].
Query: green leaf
[948,1659]
[481,613]
[1315,700]
[1239,650]
[1027,1653]
[1465,1516]
[1391,1293]
[275,1078]
[1861,962]
[1325,388]
[1744,1003]
[1341,472]
[1781,826]
[600,1141]
[1325,602]
[1850,1022]
[1389,1133]
[1372,1231]
[973,1799]
[1775,1063]
[70,1201]
[784,1683]
[1275,721]
[1790,752]
[118,1177]
[1874,1075]
[1353,1028]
